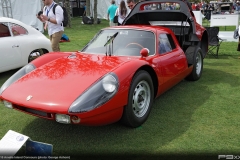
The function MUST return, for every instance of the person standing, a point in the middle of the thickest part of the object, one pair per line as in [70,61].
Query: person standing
[237,36]
[111,13]
[121,12]
[84,12]
[193,6]
[54,22]
[84,8]
[131,4]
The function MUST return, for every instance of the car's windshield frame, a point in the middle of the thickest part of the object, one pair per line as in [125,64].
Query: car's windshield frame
[128,42]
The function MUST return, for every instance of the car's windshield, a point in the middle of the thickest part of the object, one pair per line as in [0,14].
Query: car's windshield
[127,42]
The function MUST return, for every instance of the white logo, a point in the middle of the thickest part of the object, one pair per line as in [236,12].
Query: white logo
[228,157]
[29,97]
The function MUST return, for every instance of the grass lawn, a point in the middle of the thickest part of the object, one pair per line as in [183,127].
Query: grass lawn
[193,118]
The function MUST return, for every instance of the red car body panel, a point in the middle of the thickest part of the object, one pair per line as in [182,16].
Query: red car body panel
[61,81]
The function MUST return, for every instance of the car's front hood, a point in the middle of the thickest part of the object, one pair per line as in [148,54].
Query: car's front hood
[55,85]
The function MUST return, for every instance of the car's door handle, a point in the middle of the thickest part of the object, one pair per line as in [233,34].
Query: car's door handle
[15,46]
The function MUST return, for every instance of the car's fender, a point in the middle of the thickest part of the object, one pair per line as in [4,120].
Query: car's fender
[126,73]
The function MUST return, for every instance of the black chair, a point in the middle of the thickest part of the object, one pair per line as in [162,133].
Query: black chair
[214,41]
[89,20]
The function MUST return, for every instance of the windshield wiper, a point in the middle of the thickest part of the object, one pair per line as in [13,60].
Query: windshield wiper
[109,44]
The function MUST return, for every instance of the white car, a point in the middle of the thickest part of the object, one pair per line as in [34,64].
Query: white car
[20,44]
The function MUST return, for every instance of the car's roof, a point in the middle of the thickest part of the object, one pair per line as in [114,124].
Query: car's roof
[6,19]
[28,27]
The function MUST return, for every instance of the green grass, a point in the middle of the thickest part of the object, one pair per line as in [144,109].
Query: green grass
[193,118]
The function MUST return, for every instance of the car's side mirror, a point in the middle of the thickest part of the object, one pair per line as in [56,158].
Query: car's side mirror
[144,52]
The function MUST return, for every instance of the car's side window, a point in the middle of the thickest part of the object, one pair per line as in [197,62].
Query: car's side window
[171,41]
[17,30]
[164,45]
[4,31]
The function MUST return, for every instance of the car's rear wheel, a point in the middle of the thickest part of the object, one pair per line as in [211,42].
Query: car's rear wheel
[36,53]
[140,100]
[197,62]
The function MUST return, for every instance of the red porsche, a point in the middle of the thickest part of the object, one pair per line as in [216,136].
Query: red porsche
[118,74]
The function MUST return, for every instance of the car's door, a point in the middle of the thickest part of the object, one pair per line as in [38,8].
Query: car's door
[24,42]
[10,55]
[171,61]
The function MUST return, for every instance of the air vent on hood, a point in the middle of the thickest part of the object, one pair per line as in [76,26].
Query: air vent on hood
[72,56]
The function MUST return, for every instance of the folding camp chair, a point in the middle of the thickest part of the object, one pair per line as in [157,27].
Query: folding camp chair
[214,41]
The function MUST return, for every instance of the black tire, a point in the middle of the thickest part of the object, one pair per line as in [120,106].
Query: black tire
[140,100]
[197,62]
[189,54]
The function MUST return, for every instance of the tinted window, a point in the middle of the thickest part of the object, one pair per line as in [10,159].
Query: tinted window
[17,29]
[164,45]
[4,31]
[171,41]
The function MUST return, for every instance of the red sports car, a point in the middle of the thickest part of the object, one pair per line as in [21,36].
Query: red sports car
[118,74]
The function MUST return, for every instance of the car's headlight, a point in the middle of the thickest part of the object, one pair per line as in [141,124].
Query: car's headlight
[23,71]
[109,83]
[97,94]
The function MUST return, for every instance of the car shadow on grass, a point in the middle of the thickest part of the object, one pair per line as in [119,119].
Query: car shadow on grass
[5,75]
[171,117]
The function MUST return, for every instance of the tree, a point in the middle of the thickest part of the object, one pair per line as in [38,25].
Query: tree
[88,11]
[95,11]
[87,7]
[68,8]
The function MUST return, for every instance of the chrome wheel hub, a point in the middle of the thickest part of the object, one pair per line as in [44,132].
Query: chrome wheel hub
[198,63]
[141,99]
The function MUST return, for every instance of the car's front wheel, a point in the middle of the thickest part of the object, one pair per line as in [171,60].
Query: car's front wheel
[140,100]
[35,54]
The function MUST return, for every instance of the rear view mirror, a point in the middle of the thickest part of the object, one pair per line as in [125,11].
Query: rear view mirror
[144,52]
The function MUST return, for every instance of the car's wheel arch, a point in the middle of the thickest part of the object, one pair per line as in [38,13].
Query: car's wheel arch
[196,61]
[203,44]
[131,71]
[41,51]
[153,75]
[141,92]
